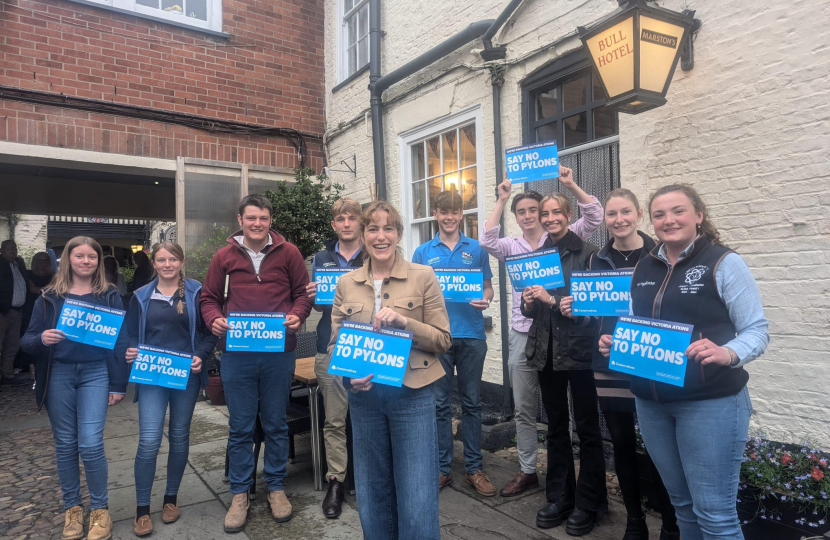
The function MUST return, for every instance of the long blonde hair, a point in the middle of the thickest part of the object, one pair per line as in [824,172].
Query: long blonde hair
[62,281]
[175,250]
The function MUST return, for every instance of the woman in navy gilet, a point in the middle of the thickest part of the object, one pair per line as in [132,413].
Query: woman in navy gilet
[696,433]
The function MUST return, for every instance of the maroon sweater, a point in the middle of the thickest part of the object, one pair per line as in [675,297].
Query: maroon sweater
[279,286]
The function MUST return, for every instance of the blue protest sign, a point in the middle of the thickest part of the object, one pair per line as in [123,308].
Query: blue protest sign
[532,162]
[651,349]
[541,267]
[89,323]
[361,351]
[327,278]
[601,293]
[256,332]
[461,284]
[161,367]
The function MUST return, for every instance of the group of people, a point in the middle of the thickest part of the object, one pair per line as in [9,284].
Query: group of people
[402,436]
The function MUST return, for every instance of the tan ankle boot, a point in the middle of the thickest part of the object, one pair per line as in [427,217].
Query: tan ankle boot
[238,513]
[73,527]
[281,509]
[100,525]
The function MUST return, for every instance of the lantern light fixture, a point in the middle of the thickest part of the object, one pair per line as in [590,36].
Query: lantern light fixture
[635,52]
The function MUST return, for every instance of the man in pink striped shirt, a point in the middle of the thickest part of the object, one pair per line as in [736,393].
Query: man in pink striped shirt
[524,379]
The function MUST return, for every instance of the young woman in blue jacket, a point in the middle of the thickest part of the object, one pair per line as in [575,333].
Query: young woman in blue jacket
[77,382]
[165,313]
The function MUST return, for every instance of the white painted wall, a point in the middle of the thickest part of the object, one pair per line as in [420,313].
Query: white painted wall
[749,127]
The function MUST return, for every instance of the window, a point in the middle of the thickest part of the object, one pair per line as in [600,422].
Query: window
[204,14]
[571,110]
[442,156]
[354,37]
[565,102]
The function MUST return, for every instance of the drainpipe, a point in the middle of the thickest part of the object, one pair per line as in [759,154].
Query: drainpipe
[378,85]
[490,54]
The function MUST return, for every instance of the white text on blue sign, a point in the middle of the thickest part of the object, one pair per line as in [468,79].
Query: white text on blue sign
[327,279]
[461,284]
[161,367]
[90,324]
[532,162]
[651,348]
[361,351]
[256,332]
[601,293]
[541,267]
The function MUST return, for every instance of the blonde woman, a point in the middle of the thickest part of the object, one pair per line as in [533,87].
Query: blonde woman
[395,433]
[76,382]
[165,313]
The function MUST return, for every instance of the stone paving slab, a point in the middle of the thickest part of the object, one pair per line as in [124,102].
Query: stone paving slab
[192,491]
[467,519]
[121,473]
[203,521]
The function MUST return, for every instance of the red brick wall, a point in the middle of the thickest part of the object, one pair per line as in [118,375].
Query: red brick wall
[269,72]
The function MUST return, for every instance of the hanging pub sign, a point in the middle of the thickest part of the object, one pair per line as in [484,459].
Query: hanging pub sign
[635,52]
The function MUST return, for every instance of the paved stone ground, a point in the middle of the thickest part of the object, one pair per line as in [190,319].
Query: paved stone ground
[31,507]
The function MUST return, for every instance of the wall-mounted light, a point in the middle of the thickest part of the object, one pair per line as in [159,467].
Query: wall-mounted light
[137,247]
[635,52]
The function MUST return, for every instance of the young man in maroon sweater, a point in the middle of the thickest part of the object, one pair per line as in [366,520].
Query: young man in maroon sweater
[258,272]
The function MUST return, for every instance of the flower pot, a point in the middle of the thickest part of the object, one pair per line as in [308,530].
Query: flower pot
[779,520]
[215,391]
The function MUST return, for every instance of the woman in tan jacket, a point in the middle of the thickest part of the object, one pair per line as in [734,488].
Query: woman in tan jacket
[395,438]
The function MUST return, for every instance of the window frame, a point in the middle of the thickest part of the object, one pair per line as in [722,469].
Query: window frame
[214,14]
[470,115]
[551,77]
[343,35]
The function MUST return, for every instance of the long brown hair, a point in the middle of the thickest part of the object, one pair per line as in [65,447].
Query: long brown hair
[62,281]
[175,250]
[707,227]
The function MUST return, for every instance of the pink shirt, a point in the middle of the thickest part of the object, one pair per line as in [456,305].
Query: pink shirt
[500,248]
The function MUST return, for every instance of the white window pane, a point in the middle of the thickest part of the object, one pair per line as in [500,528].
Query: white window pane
[467,141]
[450,146]
[148,3]
[196,9]
[363,52]
[351,32]
[433,157]
[434,190]
[363,21]
[469,188]
[419,200]
[352,60]
[422,232]
[418,162]
[347,5]
[471,226]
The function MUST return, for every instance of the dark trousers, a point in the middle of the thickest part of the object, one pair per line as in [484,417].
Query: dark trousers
[621,427]
[562,487]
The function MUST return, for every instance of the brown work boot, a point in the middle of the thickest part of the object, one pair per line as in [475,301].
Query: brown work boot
[482,484]
[521,483]
[170,513]
[100,525]
[281,509]
[142,526]
[73,527]
[238,513]
[444,480]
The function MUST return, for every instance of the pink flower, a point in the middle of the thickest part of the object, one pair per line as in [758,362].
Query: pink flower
[817,474]
[787,459]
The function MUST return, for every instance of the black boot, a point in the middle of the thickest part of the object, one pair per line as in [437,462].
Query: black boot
[665,535]
[333,501]
[636,529]
[581,522]
[552,515]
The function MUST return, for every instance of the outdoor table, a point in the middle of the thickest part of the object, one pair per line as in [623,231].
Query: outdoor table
[304,373]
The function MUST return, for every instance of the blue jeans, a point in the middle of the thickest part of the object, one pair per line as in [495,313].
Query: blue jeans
[396,462]
[152,408]
[698,447]
[257,381]
[466,357]
[77,401]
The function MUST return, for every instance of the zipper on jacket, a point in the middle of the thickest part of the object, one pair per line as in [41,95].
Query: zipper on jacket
[655,311]
[51,352]
[252,261]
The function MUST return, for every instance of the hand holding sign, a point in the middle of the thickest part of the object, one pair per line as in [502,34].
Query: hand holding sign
[605,344]
[220,327]
[131,354]
[566,177]
[311,289]
[52,336]
[705,352]
[292,324]
[565,307]
[364,384]
[388,317]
